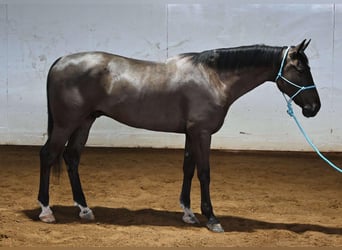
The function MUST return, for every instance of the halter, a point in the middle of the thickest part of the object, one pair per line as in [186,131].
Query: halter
[279,75]
[292,114]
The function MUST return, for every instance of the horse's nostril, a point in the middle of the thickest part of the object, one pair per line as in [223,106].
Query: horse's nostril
[311,110]
[316,107]
[308,107]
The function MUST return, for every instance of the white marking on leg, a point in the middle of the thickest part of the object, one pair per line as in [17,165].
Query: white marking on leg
[189,217]
[46,215]
[216,228]
[86,212]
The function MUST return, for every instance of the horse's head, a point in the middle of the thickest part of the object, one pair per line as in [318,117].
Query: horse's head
[295,79]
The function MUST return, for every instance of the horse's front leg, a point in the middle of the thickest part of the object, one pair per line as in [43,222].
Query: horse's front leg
[201,146]
[188,173]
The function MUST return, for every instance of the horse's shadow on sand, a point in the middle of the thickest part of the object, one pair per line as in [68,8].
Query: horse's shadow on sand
[152,217]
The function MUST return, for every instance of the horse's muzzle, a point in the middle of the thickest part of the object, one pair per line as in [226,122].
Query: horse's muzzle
[310,110]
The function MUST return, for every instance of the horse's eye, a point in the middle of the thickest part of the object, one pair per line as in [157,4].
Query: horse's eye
[300,69]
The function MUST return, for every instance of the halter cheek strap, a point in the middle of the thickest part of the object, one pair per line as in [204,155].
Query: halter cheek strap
[279,75]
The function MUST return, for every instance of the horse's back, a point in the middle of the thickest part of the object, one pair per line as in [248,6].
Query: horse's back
[128,90]
[94,64]
[144,94]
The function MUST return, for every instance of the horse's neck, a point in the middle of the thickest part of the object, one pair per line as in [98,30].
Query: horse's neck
[239,82]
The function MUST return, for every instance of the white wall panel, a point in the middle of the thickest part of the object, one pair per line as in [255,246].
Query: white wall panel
[36,40]
[335,90]
[38,32]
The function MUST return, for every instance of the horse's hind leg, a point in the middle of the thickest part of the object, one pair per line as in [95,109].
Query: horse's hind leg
[46,214]
[49,156]
[188,174]
[72,156]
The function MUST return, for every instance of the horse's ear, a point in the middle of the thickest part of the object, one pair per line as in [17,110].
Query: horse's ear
[302,46]
[306,44]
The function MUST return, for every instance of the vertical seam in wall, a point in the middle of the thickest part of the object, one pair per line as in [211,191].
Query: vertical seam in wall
[333,38]
[333,73]
[167,30]
[7,84]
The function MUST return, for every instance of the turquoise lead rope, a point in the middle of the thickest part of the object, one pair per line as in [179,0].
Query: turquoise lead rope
[292,114]
[307,138]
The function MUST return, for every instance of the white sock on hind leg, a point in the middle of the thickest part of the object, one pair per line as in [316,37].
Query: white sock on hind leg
[189,217]
[46,215]
[86,212]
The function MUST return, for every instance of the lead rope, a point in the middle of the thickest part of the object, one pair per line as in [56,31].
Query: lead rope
[307,138]
[292,114]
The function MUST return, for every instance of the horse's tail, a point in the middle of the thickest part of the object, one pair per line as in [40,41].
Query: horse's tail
[56,165]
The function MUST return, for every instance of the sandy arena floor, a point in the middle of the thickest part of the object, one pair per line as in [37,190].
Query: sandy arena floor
[261,199]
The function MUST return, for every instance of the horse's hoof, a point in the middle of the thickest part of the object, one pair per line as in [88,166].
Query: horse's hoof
[190,219]
[215,227]
[48,218]
[87,214]
[46,215]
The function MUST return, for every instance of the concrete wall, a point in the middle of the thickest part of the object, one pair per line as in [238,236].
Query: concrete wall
[34,33]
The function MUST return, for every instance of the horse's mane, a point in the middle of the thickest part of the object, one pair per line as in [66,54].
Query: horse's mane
[238,57]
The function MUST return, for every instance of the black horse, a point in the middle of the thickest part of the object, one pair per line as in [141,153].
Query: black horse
[189,93]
